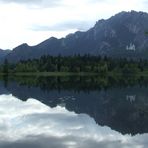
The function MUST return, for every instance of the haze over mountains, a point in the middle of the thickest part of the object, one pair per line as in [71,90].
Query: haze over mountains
[4,53]
[122,35]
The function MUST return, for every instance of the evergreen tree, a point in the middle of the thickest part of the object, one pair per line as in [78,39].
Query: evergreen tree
[5,67]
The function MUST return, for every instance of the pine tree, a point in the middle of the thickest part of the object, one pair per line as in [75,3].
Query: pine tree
[5,67]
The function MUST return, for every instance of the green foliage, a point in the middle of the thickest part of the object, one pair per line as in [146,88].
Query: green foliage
[5,67]
[76,64]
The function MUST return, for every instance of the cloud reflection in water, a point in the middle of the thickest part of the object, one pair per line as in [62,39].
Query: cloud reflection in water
[33,124]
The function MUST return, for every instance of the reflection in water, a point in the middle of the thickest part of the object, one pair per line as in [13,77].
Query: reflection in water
[33,124]
[73,112]
[122,109]
[131,98]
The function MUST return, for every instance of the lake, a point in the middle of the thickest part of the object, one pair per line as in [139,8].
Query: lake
[73,112]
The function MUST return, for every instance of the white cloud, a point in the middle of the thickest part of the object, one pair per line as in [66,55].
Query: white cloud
[33,124]
[34,3]
[20,19]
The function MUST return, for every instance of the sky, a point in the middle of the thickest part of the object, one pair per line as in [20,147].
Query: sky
[33,21]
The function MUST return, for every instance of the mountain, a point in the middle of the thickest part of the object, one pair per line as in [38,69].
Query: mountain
[3,54]
[122,35]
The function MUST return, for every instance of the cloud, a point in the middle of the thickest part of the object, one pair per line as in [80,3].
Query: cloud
[37,125]
[37,3]
[41,141]
[74,24]
[33,21]
[22,1]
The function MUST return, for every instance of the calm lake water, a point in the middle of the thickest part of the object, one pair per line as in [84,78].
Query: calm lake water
[73,112]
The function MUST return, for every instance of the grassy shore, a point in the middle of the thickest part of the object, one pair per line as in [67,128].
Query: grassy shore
[112,74]
[54,74]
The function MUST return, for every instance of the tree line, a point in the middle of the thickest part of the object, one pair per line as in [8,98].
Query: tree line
[77,63]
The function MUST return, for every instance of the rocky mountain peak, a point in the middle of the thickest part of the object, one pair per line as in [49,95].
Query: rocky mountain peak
[122,35]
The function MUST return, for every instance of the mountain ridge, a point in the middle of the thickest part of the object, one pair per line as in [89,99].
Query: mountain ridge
[122,35]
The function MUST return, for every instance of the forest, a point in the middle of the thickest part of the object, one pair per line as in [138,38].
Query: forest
[77,64]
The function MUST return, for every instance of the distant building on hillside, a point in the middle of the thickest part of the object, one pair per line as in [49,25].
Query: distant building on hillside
[131,47]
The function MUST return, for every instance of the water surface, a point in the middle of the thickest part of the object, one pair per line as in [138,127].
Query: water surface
[73,112]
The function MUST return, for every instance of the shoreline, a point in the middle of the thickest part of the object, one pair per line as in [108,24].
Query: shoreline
[111,74]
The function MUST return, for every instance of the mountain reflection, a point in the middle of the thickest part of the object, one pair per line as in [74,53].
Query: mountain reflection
[33,124]
[122,106]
